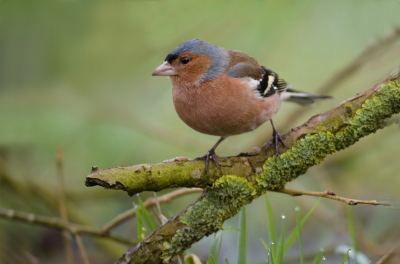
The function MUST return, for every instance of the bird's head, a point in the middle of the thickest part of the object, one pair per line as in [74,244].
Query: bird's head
[193,62]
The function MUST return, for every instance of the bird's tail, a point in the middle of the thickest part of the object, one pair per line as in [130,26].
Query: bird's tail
[302,98]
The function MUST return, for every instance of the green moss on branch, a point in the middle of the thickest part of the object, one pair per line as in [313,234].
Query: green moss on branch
[309,144]
[313,148]
[224,200]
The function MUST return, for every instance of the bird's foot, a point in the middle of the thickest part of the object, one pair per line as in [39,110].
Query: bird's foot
[210,154]
[200,158]
[275,140]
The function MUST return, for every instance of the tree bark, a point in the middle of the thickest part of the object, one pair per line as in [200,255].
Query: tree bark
[245,177]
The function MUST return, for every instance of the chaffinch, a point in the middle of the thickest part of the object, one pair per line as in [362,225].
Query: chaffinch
[225,92]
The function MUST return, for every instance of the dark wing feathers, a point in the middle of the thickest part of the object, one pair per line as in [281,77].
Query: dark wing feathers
[242,65]
[244,69]
[271,83]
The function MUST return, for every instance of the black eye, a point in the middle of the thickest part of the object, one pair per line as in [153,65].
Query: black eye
[185,60]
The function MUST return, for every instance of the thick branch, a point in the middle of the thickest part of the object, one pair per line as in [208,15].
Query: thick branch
[247,176]
[191,173]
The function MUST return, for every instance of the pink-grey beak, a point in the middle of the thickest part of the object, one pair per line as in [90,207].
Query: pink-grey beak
[164,69]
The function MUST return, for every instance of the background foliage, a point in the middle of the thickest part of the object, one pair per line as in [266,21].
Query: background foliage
[77,74]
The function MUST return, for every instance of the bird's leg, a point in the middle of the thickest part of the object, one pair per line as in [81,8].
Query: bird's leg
[211,154]
[275,139]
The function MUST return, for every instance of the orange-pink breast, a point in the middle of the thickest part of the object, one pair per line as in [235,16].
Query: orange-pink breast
[224,106]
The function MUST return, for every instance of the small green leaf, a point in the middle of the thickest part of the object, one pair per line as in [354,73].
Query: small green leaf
[226,260]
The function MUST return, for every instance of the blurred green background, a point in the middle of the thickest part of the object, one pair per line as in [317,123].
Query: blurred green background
[77,75]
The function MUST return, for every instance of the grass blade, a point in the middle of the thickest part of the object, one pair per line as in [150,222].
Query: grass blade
[281,244]
[346,256]
[139,224]
[146,215]
[299,234]
[352,232]
[294,233]
[265,245]
[318,257]
[270,254]
[219,248]
[242,243]
[212,255]
[226,260]
[270,221]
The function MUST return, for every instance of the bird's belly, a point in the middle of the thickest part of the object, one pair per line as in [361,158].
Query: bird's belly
[226,116]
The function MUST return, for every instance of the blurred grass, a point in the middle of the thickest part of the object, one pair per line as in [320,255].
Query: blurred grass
[242,237]
[77,74]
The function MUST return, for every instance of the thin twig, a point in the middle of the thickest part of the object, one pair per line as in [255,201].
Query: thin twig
[28,255]
[322,135]
[160,215]
[179,260]
[82,248]
[359,61]
[330,195]
[149,202]
[387,257]
[57,223]
[346,72]
[321,175]
[61,199]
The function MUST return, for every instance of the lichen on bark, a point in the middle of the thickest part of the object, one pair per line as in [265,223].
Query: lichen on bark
[222,201]
[313,148]
[241,178]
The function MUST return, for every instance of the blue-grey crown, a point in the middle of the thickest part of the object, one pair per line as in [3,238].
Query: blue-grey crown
[219,57]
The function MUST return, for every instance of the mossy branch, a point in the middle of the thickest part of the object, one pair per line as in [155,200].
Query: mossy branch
[247,176]
[308,145]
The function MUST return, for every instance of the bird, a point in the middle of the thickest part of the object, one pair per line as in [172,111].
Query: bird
[225,92]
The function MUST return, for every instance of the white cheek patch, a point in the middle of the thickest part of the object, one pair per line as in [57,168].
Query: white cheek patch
[251,83]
